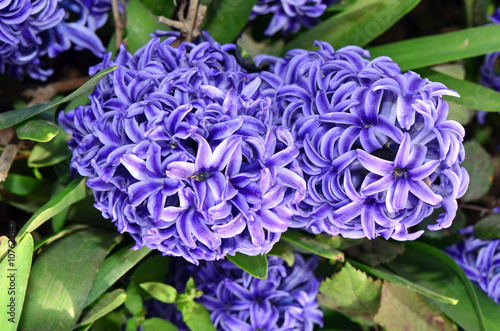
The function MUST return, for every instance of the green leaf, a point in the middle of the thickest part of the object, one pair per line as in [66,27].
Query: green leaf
[488,227]
[284,251]
[402,309]
[13,117]
[480,168]
[49,153]
[376,251]
[195,316]
[393,278]
[157,324]
[140,23]
[356,25]
[431,267]
[422,52]
[312,245]
[106,304]
[113,268]
[21,185]
[226,18]
[254,265]
[133,302]
[75,191]
[153,269]
[352,293]
[472,95]
[160,7]
[14,274]
[160,291]
[37,130]
[61,279]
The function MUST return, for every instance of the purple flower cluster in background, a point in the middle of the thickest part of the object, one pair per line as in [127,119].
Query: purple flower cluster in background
[30,30]
[480,260]
[180,151]
[286,300]
[290,15]
[376,149]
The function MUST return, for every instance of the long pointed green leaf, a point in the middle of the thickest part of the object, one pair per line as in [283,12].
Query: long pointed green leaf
[13,117]
[472,95]
[405,283]
[14,274]
[61,279]
[254,265]
[113,268]
[226,18]
[358,25]
[426,51]
[106,304]
[312,245]
[75,191]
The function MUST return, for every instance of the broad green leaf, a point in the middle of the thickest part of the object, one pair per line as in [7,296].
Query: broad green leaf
[312,245]
[50,153]
[106,304]
[480,168]
[472,95]
[393,278]
[254,265]
[37,130]
[195,316]
[352,293]
[402,309]
[59,235]
[14,274]
[13,117]
[226,18]
[133,302]
[140,23]
[153,269]
[376,251]
[160,291]
[422,52]
[160,7]
[488,227]
[431,267]
[284,251]
[358,24]
[4,247]
[21,185]
[75,191]
[61,279]
[157,324]
[113,268]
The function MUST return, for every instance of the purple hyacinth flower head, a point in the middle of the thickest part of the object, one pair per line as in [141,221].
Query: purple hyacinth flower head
[288,16]
[375,146]
[480,260]
[286,300]
[179,147]
[34,29]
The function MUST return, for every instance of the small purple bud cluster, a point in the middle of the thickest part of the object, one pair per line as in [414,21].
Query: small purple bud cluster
[480,260]
[290,15]
[30,30]
[179,148]
[286,300]
[376,149]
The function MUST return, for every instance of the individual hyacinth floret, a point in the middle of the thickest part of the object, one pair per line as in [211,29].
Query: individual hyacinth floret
[30,30]
[480,260]
[290,15]
[286,300]
[376,148]
[180,151]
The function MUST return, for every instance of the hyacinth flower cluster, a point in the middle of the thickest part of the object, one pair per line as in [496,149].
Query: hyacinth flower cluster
[30,30]
[480,260]
[286,300]
[180,150]
[377,151]
[289,16]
